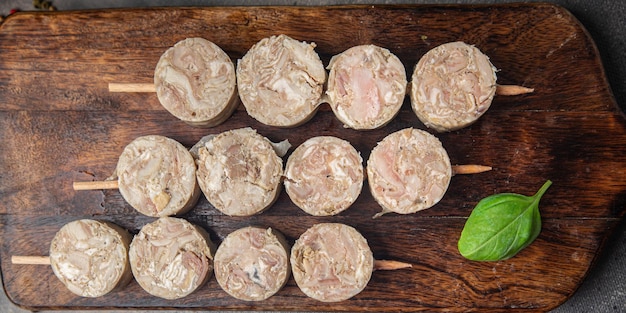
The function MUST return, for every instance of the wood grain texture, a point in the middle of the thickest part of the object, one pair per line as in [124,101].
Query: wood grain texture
[60,124]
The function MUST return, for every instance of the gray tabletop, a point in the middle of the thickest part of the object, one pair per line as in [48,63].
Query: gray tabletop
[604,288]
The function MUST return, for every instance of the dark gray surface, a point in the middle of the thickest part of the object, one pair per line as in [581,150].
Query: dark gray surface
[604,289]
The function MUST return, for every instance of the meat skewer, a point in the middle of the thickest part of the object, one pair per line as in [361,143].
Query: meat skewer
[324,175]
[280,81]
[453,85]
[171,258]
[333,262]
[156,175]
[366,86]
[252,263]
[410,170]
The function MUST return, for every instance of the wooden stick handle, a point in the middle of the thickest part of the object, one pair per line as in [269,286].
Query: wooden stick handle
[389,265]
[470,169]
[131,87]
[379,265]
[512,90]
[30,259]
[94,185]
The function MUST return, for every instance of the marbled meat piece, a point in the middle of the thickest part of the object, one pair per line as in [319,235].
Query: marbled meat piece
[366,86]
[171,258]
[331,262]
[452,86]
[195,81]
[280,81]
[252,263]
[408,171]
[324,175]
[239,172]
[91,257]
[157,176]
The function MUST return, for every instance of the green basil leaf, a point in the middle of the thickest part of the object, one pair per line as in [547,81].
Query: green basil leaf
[501,225]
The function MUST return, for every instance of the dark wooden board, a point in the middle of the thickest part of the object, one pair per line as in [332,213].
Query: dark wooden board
[58,124]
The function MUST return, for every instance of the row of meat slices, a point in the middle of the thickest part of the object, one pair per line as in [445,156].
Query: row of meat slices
[241,173]
[281,81]
[170,258]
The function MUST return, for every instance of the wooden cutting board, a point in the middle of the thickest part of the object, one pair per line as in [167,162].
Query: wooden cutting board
[60,124]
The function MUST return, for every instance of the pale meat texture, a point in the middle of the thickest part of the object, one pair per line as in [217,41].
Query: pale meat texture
[90,257]
[408,171]
[324,175]
[157,176]
[239,172]
[170,257]
[252,263]
[452,86]
[195,81]
[331,262]
[280,81]
[366,86]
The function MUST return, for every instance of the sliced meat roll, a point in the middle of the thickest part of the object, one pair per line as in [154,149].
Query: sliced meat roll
[170,257]
[280,81]
[239,172]
[452,86]
[324,175]
[157,176]
[331,262]
[195,81]
[252,263]
[91,257]
[366,86]
[408,171]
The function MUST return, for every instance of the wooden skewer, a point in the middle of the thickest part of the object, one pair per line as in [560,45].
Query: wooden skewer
[503,90]
[131,87]
[470,169]
[94,185]
[30,259]
[512,90]
[112,184]
[379,265]
[389,265]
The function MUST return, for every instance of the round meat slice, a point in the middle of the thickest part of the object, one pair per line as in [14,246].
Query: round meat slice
[366,86]
[331,262]
[91,257]
[252,263]
[408,171]
[239,172]
[170,257]
[324,175]
[195,81]
[452,86]
[280,81]
[157,176]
